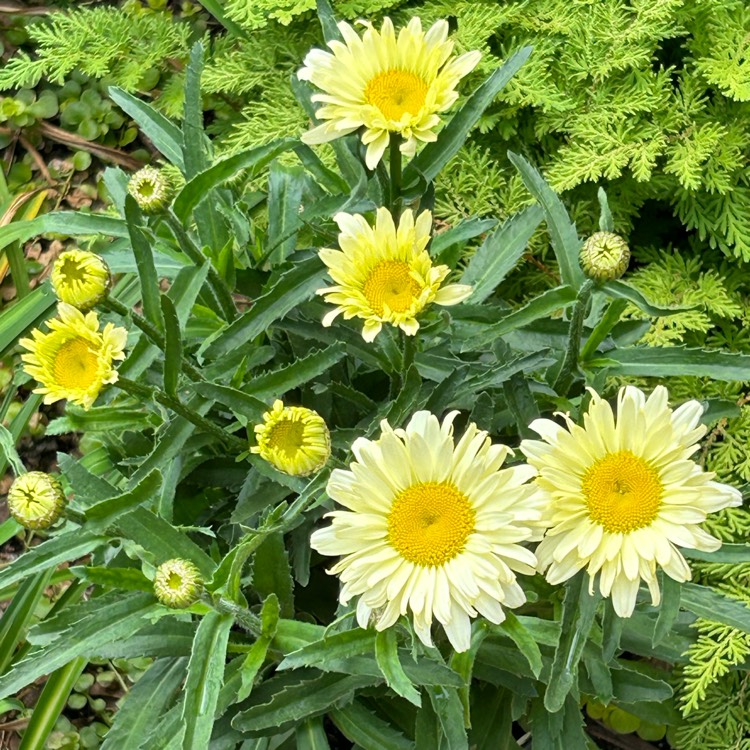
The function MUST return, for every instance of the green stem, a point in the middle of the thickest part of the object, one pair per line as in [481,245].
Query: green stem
[395,176]
[409,350]
[243,616]
[218,286]
[155,394]
[570,362]
[115,306]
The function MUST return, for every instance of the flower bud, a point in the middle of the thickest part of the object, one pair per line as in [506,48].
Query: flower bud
[36,500]
[178,583]
[152,188]
[605,256]
[81,279]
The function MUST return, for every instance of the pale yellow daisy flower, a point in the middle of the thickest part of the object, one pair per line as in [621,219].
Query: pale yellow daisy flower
[74,360]
[623,494]
[386,84]
[80,278]
[432,527]
[384,274]
[293,439]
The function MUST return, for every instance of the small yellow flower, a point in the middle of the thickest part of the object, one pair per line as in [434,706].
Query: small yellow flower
[384,274]
[293,439]
[36,500]
[433,526]
[387,84]
[178,583]
[623,494]
[74,360]
[153,189]
[80,279]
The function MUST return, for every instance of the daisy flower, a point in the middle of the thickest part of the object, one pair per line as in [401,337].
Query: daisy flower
[384,274]
[386,84]
[75,359]
[431,527]
[623,494]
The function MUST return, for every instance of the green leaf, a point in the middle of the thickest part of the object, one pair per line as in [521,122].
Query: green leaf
[327,21]
[272,574]
[727,553]
[611,317]
[606,222]
[163,133]
[515,630]
[255,657]
[18,615]
[668,610]
[8,447]
[87,487]
[105,625]
[167,637]
[49,554]
[651,361]
[630,685]
[311,735]
[285,185]
[434,156]
[145,262]
[367,730]
[427,733]
[200,186]
[173,348]
[50,704]
[709,603]
[386,654]
[284,292]
[612,626]
[107,511]
[520,401]
[23,315]
[144,705]
[128,579]
[204,679]
[246,407]
[331,649]
[68,223]
[101,419]
[161,540]
[450,713]
[491,719]
[500,252]
[458,235]
[621,290]
[577,617]
[561,229]
[193,139]
[281,702]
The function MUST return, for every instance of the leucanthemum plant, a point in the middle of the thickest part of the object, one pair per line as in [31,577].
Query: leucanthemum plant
[269,499]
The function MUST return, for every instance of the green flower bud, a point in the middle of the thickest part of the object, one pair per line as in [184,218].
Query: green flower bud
[152,189]
[605,256]
[178,583]
[81,279]
[36,500]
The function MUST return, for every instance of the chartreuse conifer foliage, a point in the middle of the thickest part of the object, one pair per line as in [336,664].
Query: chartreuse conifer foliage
[222,321]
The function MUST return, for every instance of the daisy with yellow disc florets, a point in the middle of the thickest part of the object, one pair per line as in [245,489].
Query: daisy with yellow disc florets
[431,527]
[293,439]
[386,84]
[623,494]
[75,359]
[384,274]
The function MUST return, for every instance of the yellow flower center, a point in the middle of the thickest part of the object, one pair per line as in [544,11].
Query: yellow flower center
[389,283]
[72,271]
[287,435]
[75,365]
[623,492]
[429,523]
[395,92]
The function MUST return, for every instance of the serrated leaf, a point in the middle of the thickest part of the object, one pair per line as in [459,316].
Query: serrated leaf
[459,235]
[450,713]
[491,719]
[709,603]
[327,20]
[332,648]
[515,630]
[272,574]
[50,553]
[87,487]
[101,419]
[500,252]
[163,133]
[285,185]
[166,637]
[173,346]
[561,229]
[127,579]
[255,657]
[429,162]
[727,553]
[668,609]
[621,290]
[204,679]
[386,654]
[287,703]
[106,511]
[367,730]
[144,705]
[284,292]
[632,686]
[606,222]
[311,735]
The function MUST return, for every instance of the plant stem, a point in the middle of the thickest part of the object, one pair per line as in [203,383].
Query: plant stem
[570,362]
[218,286]
[149,329]
[409,350]
[244,617]
[395,176]
[155,394]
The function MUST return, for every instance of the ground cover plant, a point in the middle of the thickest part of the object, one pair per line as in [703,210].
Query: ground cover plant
[460,594]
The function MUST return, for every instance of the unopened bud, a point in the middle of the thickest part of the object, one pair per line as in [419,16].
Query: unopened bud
[152,188]
[178,583]
[605,256]
[36,500]
[81,279]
